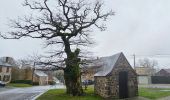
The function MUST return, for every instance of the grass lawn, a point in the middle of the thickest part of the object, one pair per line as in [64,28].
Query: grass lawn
[153,93]
[19,85]
[59,94]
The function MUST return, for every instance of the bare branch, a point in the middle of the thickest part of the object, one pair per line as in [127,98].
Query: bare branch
[68,25]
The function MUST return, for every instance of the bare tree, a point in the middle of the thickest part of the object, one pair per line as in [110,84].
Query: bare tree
[66,26]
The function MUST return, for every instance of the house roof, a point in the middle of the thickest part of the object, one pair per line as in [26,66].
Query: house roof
[9,63]
[5,64]
[167,70]
[107,63]
[163,72]
[40,73]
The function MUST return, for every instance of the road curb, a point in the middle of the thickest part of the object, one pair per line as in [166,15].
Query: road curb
[38,95]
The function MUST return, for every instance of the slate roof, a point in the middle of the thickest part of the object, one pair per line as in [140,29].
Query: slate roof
[167,70]
[107,63]
[40,73]
[7,64]
[4,64]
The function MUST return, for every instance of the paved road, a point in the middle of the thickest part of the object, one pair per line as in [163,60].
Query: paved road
[156,86]
[138,98]
[26,93]
[5,89]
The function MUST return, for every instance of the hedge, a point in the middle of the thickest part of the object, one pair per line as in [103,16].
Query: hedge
[22,81]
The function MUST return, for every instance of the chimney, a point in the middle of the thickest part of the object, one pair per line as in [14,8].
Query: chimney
[7,59]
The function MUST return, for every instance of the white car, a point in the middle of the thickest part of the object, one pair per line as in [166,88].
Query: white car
[2,84]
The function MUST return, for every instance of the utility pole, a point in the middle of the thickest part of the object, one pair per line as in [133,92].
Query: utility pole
[33,69]
[134,60]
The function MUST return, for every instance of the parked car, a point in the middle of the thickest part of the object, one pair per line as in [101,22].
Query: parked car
[88,82]
[2,84]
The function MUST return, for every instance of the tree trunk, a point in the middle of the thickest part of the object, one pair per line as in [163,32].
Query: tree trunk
[72,74]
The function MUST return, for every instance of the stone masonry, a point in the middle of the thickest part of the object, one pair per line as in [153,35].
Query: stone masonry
[108,86]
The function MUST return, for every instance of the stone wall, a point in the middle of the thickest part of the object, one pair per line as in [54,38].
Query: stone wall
[101,86]
[108,86]
[21,74]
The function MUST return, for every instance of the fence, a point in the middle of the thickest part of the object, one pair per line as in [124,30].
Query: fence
[160,79]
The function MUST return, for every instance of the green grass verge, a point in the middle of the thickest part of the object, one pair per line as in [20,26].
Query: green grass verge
[59,94]
[153,93]
[19,85]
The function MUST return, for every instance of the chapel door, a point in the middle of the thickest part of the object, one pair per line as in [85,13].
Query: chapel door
[123,84]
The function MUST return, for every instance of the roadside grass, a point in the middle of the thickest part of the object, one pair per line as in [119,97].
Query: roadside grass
[59,94]
[19,85]
[153,93]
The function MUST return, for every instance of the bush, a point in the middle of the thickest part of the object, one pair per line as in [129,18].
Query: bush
[19,85]
[35,83]
[22,81]
[51,82]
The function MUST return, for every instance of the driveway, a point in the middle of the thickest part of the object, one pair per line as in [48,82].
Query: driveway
[29,93]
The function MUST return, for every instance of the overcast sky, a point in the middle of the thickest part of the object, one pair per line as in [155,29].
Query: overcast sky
[140,27]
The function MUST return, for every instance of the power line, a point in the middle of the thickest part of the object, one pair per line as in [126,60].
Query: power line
[155,55]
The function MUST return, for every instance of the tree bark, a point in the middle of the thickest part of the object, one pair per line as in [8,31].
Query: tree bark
[72,74]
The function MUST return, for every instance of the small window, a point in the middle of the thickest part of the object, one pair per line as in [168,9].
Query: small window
[7,69]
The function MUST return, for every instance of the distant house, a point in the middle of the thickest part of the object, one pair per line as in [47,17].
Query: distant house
[116,78]
[26,73]
[163,72]
[6,64]
[161,77]
[40,77]
[144,74]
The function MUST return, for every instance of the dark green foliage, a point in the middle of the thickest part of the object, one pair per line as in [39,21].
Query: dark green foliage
[35,83]
[160,79]
[22,81]
[21,85]
[51,82]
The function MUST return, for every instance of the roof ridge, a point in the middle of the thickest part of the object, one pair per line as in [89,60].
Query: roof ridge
[108,64]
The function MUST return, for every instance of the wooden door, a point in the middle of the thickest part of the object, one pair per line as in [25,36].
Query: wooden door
[123,84]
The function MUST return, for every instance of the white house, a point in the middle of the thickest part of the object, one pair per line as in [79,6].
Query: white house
[6,64]
[144,74]
[40,77]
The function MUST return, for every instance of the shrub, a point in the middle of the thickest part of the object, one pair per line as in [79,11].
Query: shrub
[22,81]
[35,83]
[51,82]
